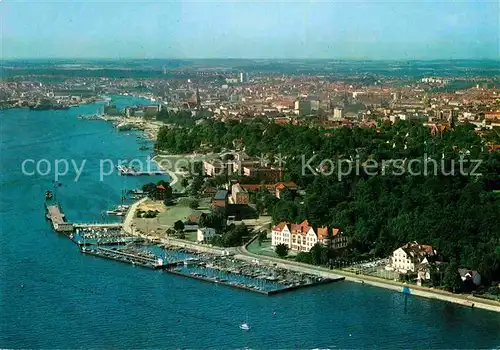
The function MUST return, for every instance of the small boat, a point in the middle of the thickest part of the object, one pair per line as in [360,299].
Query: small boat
[115,212]
[48,195]
[143,148]
[244,326]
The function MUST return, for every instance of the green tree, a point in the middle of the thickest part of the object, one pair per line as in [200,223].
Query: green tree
[317,254]
[178,225]
[196,185]
[282,250]
[149,188]
[194,204]
[304,257]
[262,235]
[184,182]
[452,280]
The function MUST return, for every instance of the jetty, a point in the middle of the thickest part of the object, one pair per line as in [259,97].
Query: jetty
[57,217]
[129,258]
[112,241]
[132,171]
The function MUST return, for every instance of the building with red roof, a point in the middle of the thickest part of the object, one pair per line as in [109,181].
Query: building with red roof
[302,237]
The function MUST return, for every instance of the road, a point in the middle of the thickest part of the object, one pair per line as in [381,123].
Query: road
[127,222]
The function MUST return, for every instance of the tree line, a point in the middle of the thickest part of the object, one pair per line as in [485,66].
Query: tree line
[457,214]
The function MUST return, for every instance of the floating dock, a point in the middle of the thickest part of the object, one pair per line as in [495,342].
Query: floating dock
[56,216]
[98,226]
[134,259]
[248,287]
[204,267]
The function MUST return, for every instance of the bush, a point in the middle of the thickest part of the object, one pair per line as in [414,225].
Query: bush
[304,257]
[282,250]
[194,204]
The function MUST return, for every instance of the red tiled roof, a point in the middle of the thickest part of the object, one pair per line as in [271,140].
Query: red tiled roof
[281,121]
[494,148]
[427,248]
[301,228]
[322,233]
[280,226]
[282,185]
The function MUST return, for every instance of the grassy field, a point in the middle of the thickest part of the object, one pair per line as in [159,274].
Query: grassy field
[264,249]
[170,215]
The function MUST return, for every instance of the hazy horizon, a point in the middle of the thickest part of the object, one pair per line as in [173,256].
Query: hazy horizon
[355,30]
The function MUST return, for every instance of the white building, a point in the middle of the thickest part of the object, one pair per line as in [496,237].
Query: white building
[243,77]
[408,257]
[469,275]
[338,114]
[205,234]
[302,237]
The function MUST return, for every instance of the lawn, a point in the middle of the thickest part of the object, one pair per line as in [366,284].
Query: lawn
[173,214]
[264,249]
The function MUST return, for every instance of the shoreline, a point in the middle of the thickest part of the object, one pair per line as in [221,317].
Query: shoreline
[242,253]
[425,292]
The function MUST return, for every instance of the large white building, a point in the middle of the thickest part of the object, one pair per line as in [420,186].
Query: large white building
[338,114]
[408,257]
[302,237]
[205,234]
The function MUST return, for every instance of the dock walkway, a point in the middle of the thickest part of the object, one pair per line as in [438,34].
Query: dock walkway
[117,225]
[56,216]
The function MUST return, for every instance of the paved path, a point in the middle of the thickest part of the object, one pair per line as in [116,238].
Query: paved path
[127,223]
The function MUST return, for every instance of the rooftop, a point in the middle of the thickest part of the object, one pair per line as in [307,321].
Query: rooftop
[220,195]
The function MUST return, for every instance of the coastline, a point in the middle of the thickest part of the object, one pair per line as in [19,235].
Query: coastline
[150,131]
[242,253]
[464,300]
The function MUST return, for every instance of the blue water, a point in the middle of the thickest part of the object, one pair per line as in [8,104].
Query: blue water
[51,296]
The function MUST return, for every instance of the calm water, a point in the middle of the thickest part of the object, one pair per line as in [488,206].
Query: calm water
[54,297]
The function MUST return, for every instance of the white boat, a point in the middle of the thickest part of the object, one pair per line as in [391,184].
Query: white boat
[115,212]
[244,326]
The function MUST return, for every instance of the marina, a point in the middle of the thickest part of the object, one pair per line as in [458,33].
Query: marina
[66,292]
[109,241]
[117,255]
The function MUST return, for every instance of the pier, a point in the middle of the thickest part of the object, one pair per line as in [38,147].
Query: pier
[134,259]
[112,241]
[126,170]
[56,216]
[98,226]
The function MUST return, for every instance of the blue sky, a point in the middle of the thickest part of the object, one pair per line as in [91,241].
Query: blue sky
[250,29]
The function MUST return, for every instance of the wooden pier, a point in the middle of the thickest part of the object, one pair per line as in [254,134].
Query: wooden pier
[56,216]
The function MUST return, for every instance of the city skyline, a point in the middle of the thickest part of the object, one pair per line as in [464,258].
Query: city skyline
[282,30]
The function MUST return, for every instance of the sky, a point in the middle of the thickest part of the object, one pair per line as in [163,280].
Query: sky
[404,29]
